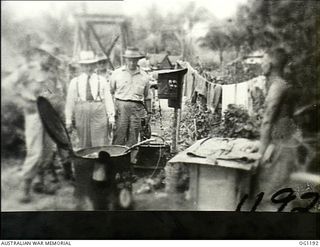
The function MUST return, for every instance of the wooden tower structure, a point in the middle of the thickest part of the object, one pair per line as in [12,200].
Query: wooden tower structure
[92,34]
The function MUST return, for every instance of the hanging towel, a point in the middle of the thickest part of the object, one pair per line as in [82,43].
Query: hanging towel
[216,97]
[228,96]
[235,94]
[210,96]
[241,91]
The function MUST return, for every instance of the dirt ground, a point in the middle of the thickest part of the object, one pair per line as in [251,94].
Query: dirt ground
[62,200]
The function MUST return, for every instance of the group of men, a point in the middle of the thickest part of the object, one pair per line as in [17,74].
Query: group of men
[96,107]
[95,102]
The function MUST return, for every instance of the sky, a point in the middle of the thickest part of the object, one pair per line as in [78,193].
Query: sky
[220,8]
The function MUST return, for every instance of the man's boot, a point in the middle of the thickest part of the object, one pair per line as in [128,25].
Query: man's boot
[26,196]
[41,187]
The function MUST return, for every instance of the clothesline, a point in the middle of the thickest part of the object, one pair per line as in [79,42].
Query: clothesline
[194,70]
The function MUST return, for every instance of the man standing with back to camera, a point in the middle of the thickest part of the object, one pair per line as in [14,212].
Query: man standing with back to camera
[130,88]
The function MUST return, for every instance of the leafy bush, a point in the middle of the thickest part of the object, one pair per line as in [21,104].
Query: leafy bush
[196,123]
[12,129]
[238,124]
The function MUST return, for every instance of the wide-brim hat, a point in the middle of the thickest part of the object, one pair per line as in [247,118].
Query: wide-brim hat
[87,57]
[133,52]
[51,49]
[102,58]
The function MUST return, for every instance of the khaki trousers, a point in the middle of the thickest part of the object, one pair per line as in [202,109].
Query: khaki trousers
[128,122]
[39,146]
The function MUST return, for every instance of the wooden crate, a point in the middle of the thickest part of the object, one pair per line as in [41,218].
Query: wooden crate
[217,188]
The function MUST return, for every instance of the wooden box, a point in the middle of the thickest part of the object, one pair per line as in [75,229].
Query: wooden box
[217,188]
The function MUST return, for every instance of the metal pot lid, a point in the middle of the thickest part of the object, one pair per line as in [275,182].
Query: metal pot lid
[53,124]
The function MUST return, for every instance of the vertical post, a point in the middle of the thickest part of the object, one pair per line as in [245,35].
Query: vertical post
[76,41]
[174,131]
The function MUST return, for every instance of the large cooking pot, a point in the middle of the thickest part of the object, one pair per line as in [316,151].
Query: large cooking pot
[107,182]
[104,174]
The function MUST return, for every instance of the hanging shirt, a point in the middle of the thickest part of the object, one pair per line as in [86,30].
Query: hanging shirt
[125,85]
[201,84]
[189,85]
[100,90]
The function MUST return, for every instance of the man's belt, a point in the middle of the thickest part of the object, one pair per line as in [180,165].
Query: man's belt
[134,101]
[80,100]
[129,100]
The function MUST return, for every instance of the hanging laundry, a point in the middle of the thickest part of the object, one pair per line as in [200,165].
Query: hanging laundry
[210,95]
[235,94]
[201,84]
[189,83]
[214,97]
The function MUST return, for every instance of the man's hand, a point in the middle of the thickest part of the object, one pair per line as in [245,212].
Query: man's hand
[112,121]
[69,128]
[148,117]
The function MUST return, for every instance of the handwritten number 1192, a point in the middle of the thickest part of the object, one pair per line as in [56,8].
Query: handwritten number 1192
[284,201]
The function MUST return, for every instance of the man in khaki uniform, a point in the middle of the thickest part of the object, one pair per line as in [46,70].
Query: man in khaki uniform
[36,78]
[130,87]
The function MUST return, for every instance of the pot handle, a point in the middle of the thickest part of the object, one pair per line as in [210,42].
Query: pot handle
[138,144]
[162,139]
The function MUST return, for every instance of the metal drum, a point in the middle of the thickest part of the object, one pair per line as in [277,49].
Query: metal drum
[104,174]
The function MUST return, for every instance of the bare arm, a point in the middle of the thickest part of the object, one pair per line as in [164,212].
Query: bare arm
[147,97]
[273,104]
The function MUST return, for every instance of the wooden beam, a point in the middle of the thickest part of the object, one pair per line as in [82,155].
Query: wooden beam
[100,45]
[76,41]
[112,45]
[101,19]
[86,34]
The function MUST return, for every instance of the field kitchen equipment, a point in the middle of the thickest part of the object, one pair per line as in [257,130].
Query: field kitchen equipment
[104,174]
[152,156]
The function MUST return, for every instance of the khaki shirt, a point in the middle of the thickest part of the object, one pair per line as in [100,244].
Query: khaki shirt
[130,86]
[30,81]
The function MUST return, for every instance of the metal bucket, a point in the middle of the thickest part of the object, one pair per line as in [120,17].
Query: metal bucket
[152,156]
